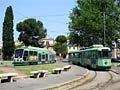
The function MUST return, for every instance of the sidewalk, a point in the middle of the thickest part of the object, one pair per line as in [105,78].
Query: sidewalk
[48,81]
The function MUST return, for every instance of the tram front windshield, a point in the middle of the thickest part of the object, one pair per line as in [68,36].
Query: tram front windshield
[105,53]
[18,53]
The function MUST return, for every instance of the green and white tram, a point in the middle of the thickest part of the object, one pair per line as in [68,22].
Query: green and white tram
[33,55]
[97,57]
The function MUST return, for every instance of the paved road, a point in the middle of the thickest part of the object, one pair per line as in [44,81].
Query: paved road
[117,69]
[49,80]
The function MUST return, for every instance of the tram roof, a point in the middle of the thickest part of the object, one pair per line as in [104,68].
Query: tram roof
[93,47]
[74,51]
[34,48]
[37,49]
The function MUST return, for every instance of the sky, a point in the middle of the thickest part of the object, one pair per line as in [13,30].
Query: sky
[54,14]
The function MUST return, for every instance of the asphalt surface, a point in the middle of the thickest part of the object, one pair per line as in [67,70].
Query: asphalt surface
[116,69]
[48,81]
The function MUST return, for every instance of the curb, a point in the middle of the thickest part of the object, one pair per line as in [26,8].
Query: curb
[21,77]
[70,81]
[27,76]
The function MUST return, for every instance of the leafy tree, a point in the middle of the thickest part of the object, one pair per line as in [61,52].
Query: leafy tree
[94,22]
[31,31]
[61,39]
[57,47]
[61,45]
[7,36]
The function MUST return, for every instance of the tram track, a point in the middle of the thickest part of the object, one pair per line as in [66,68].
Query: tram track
[102,80]
[111,83]
[114,84]
[95,80]
[92,75]
[75,83]
[106,84]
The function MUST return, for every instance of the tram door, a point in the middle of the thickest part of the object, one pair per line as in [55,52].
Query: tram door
[46,57]
[25,56]
[39,57]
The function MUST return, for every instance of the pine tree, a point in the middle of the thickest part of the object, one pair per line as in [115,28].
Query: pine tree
[33,30]
[7,36]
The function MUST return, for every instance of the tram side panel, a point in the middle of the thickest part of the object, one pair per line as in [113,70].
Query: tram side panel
[97,58]
[33,55]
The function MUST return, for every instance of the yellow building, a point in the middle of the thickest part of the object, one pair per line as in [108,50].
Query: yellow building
[48,43]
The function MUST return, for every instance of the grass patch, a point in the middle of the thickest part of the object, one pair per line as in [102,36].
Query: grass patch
[116,64]
[26,69]
[7,62]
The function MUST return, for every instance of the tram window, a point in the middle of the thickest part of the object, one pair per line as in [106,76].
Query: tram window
[76,55]
[50,56]
[88,54]
[99,54]
[25,53]
[79,55]
[105,53]
[95,54]
[25,57]
[33,55]
[82,55]
[43,56]
[46,56]
[39,57]
[18,53]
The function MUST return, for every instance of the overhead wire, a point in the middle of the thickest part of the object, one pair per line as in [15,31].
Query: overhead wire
[41,16]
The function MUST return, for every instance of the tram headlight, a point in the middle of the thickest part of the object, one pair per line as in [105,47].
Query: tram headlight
[105,62]
[21,60]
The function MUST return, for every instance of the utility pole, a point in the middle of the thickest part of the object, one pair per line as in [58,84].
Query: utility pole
[104,28]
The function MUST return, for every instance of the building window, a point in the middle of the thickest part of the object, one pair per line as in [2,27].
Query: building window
[47,43]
